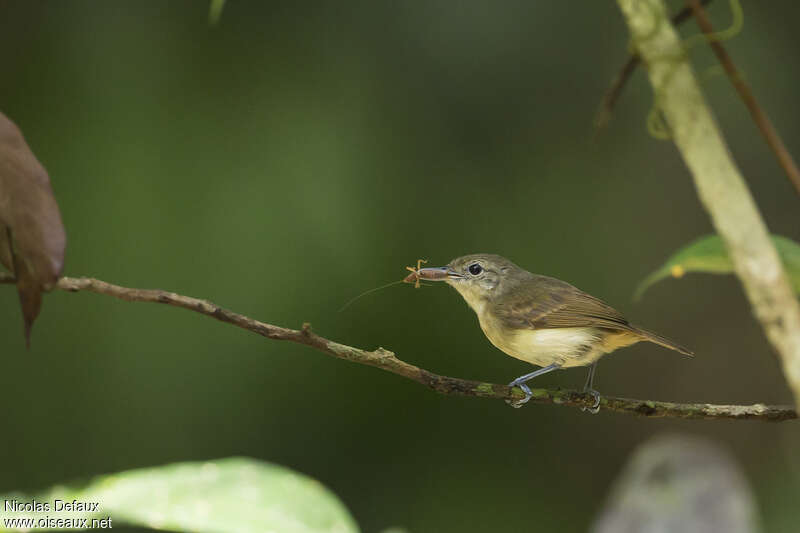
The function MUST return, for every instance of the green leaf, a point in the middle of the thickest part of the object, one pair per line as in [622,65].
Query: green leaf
[708,254]
[215,11]
[228,495]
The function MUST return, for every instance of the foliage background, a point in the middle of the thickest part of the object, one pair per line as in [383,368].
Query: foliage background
[298,154]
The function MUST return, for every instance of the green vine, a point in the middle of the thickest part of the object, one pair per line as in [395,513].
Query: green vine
[656,125]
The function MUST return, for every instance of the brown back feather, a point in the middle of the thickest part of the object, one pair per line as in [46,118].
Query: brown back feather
[541,302]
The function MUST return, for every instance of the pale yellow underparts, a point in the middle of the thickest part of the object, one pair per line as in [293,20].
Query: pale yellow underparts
[566,347]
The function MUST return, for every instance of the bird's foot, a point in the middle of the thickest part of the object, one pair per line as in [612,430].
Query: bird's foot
[522,401]
[596,406]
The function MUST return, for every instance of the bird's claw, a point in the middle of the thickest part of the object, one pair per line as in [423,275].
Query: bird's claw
[595,408]
[522,401]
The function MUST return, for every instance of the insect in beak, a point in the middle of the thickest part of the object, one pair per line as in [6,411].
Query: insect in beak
[428,274]
[414,277]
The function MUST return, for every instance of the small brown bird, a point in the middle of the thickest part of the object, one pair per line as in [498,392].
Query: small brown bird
[538,319]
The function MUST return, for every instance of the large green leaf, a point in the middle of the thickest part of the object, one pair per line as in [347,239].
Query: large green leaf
[215,11]
[708,254]
[229,495]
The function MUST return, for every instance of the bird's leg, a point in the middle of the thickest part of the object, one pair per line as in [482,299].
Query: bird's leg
[587,389]
[520,382]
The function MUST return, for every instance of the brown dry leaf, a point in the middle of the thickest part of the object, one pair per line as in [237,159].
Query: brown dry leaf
[32,238]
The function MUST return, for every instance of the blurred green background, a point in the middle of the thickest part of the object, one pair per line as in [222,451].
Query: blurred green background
[300,153]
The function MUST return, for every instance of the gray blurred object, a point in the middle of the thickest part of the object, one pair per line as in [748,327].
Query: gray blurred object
[680,484]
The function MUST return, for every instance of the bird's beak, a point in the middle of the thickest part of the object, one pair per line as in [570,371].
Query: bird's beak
[433,274]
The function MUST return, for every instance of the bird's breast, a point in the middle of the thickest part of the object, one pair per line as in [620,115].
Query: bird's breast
[566,347]
[563,346]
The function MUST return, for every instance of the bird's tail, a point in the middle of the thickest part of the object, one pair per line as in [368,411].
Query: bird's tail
[662,341]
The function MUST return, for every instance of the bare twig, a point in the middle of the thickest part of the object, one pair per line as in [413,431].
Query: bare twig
[761,119]
[386,360]
[615,89]
[719,183]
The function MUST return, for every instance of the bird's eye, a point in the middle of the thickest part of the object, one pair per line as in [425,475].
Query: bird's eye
[475,269]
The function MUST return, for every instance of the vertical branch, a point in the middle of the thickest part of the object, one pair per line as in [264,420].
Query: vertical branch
[719,183]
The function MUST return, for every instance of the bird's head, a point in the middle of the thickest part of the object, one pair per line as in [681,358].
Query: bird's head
[477,277]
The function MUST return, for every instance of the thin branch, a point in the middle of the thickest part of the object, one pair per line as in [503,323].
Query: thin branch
[386,360]
[719,183]
[761,119]
[615,89]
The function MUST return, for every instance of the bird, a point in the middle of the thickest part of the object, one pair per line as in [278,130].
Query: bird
[538,319]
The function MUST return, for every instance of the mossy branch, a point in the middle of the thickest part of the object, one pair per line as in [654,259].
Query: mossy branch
[386,360]
[719,183]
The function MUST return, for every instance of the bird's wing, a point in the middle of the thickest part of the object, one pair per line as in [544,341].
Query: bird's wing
[552,303]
